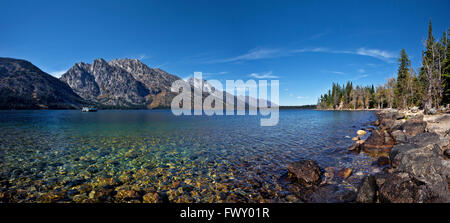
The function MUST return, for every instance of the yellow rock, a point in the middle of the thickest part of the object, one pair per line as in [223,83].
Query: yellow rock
[345,173]
[361,132]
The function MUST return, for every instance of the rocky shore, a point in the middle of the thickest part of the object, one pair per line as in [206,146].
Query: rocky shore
[411,148]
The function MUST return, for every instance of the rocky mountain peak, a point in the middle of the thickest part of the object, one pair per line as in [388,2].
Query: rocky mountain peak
[25,86]
[120,82]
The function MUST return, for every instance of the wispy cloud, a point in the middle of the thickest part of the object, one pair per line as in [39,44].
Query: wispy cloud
[142,56]
[361,71]
[302,97]
[380,54]
[359,77]
[254,54]
[313,50]
[265,53]
[375,53]
[215,73]
[334,72]
[265,75]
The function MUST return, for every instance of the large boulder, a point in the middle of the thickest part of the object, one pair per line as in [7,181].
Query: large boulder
[367,192]
[380,142]
[390,114]
[439,124]
[401,187]
[305,171]
[399,136]
[400,148]
[413,127]
[426,138]
[424,163]
[420,174]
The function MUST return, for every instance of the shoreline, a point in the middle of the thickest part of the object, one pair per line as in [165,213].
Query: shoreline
[412,150]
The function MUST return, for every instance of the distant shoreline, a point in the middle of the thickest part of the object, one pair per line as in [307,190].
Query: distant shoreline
[168,108]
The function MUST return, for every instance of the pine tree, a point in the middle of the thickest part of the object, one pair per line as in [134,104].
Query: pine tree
[403,78]
[431,76]
[446,69]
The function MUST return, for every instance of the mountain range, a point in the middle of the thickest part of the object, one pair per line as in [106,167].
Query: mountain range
[120,83]
[25,86]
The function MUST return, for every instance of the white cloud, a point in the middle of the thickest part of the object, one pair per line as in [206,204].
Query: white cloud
[361,71]
[314,50]
[254,54]
[380,54]
[375,53]
[301,97]
[265,75]
[215,73]
[264,53]
[359,77]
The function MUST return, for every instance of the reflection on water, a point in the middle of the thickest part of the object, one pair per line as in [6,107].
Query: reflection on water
[130,156]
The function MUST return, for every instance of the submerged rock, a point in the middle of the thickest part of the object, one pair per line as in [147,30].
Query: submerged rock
[383,161]
[328,175]
[154,197]
[305,171]
[332,194]
[356,148]
[345,173]
[378,143]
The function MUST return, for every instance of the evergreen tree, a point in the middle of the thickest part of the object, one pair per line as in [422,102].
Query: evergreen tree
[429,89]
[403,78]
[431,73]
[446,69]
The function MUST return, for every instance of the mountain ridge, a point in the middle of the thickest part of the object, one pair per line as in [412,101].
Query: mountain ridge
[120,84]
[25,86]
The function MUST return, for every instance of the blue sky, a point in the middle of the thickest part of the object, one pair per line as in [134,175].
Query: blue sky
[306,45]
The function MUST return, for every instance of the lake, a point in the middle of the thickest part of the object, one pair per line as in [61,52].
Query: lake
[121,155]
